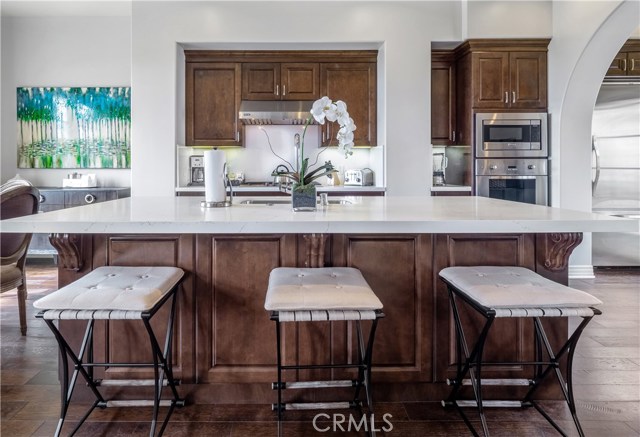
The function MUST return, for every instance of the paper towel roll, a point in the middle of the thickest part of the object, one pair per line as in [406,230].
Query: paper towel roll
[215,189]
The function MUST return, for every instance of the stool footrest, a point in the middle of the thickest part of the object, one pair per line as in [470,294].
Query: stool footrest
[318,406]
[138,403]
[501,382]
[316,384]
[488,404]
[133,382]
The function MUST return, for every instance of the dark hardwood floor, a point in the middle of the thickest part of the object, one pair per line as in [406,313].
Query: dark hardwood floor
[606,383]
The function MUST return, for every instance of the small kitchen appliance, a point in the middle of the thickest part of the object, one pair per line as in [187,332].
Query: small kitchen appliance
[439,164]
[360,178]
[509,135]
[196,170]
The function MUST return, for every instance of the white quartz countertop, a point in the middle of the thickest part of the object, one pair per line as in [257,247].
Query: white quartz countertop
[275,189]
[450,188]
[366,214]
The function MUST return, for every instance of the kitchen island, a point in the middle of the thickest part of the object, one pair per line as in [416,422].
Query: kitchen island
[224,340]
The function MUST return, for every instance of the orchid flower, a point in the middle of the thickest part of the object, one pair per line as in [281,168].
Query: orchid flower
[321,110]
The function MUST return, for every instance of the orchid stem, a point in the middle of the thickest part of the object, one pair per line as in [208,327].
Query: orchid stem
[272,151]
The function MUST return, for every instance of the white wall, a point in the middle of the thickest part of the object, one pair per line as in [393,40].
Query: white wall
[509,19]
[60,51]
[586,36]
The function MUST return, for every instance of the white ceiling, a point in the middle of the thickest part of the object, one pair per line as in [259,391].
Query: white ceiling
[53,8]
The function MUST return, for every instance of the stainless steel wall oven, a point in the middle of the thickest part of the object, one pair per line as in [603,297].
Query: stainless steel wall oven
[520,180]
[511,157]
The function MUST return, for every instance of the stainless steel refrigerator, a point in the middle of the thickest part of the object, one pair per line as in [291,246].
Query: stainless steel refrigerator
[616,170]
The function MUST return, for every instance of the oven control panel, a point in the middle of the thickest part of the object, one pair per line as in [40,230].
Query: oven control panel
[514,167]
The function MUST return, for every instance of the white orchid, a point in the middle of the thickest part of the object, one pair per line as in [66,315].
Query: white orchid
[324,108]
[321,110]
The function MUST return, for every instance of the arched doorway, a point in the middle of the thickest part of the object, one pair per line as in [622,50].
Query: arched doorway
[571,130]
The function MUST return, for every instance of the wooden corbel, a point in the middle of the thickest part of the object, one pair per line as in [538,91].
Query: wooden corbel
[69,247]
[558,249]
[315,249]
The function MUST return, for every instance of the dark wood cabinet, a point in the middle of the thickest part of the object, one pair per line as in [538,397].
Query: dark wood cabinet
[52,199]
[450,193]
[355,84]
[280,81]
[500,75]
[443,98]
[627,60]
[509,80]
[212,103]
[217,81]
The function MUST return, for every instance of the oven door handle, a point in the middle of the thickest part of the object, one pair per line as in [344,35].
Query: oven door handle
[596,153]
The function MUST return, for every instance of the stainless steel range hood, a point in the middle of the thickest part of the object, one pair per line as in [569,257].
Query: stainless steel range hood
[264,112]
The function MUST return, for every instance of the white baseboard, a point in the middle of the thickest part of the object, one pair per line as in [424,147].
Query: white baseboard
[581,272]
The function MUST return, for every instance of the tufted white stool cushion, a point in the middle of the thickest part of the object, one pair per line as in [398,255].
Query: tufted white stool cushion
[114,288]
[327,288]
[514,287]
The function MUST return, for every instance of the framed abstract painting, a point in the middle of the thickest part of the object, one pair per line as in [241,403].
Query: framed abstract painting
[74,127]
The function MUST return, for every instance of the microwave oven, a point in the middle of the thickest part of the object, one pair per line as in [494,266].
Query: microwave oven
[511,135]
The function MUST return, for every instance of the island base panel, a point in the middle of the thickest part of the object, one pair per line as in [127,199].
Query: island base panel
[223,344]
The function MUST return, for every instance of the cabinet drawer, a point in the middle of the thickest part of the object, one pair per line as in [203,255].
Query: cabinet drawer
[86,197]
[51,198]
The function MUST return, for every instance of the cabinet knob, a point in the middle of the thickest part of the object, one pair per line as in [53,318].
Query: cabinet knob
[89,198]
[624,65]
[531,166]
[277,90]
[284,90]
[506,96]
[513,96]
[493,167]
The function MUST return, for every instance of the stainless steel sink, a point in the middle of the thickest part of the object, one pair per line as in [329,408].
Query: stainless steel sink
[288,201]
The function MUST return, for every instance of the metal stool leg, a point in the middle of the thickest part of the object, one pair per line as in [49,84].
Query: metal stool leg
[67,386]
[161,365]
[554,363]
[279,407]
[472,365]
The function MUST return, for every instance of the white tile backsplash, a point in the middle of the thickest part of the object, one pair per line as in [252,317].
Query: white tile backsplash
[257,161]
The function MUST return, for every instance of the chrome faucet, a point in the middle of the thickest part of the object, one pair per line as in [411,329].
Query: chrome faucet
[296,146]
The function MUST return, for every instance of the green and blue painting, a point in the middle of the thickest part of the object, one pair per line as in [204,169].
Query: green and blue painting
[74,127]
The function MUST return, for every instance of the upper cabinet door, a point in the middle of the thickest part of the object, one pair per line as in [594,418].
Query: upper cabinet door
[212,102]
[300,81]
[633,64]
[491,79]
[617,67]
[355,84]
[627,61]
[528,80]
[443,102]
[261,81]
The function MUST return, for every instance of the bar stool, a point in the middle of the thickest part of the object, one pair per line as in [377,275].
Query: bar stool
[115,293]
[301,295]
[496,292]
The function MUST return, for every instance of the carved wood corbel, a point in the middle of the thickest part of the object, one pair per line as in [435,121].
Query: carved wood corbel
[69,247]
[558,249]
[315,249]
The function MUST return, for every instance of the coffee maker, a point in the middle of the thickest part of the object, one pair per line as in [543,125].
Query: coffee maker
[196,170]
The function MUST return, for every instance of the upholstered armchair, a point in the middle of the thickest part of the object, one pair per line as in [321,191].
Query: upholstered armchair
[17,198]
